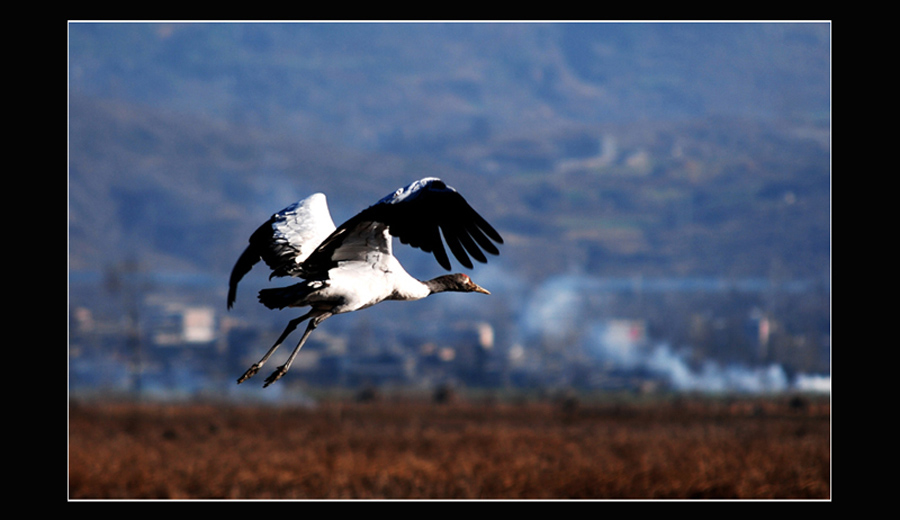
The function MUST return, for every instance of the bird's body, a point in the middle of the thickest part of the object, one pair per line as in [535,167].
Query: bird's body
[352,267]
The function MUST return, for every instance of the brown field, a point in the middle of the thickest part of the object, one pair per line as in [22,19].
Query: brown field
[392,449]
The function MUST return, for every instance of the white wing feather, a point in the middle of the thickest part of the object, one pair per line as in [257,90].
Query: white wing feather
[285,240]
[303,226]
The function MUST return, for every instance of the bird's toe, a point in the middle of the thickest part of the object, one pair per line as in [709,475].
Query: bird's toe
[276,375]
[249,373]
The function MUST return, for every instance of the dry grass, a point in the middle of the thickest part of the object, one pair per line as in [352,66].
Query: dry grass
[741,449]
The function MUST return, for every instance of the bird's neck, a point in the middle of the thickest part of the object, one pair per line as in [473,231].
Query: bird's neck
[413,289]
[436,285]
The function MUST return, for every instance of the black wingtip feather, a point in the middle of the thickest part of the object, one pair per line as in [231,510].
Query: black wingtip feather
[244,263]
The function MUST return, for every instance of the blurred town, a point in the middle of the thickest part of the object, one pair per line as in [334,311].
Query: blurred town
[665,337]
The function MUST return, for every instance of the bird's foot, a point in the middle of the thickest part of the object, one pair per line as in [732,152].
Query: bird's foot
[276,375]
[249,373]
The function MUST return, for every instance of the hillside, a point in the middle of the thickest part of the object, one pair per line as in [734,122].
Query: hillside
[667,148]
[718,197]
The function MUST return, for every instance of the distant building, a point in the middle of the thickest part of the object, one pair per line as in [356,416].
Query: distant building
[178,324]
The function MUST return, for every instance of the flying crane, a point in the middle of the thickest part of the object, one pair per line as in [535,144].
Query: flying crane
[352,267]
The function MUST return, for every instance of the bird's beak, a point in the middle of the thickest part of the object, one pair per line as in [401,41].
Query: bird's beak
[480,289]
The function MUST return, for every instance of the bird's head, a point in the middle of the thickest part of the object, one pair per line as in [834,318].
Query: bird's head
[455,282]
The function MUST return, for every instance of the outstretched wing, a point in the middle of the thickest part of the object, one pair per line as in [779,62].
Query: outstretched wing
[417,214]
[285,241]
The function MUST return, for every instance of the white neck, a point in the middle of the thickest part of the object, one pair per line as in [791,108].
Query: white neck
[408,288]
[405,286]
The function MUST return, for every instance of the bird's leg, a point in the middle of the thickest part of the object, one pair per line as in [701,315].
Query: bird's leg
[282,370]
[290,328]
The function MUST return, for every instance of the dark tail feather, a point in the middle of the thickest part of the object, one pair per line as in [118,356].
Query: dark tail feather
[292,295]
[247,260]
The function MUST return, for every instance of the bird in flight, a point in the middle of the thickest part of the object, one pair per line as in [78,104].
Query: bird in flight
[351,267]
